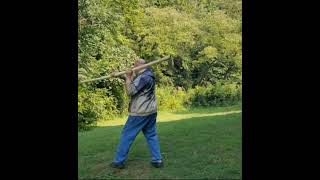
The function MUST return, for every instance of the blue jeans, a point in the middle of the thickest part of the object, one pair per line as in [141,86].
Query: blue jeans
[130,131]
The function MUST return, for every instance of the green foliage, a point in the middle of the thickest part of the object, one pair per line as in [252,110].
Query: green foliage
[220,94]
[202,37]
[216,95]
[102,49]
[94,105]
[171,99]
[169,32]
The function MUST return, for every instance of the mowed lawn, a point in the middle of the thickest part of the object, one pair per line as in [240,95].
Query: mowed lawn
[201,143]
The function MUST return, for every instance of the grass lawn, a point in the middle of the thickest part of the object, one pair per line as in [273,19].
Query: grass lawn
[200,143]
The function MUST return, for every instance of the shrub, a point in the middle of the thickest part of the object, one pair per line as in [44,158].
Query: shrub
[94,105]
[171,99]
[220,94]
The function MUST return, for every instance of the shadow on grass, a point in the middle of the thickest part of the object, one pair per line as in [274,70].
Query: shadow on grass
[199,147]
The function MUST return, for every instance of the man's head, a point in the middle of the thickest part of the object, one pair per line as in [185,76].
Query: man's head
[139,62]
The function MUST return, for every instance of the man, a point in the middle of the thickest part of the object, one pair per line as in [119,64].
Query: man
[142,116]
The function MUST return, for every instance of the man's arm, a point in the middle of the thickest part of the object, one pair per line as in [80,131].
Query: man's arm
[130,87]
[134,86]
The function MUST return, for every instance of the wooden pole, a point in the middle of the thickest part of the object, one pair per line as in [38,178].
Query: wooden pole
[124,72]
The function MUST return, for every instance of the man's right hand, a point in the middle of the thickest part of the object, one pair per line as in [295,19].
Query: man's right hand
[129,73]
[113,73]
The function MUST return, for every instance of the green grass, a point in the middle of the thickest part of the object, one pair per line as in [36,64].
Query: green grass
[201,143]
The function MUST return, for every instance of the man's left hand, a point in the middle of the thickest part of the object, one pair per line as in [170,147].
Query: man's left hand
[130,74]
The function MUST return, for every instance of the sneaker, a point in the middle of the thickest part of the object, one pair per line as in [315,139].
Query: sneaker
[118,166]
[157,164]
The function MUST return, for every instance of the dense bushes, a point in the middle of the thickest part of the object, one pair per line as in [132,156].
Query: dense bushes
[203,39]
[94,105]
[171,99]
[217,95]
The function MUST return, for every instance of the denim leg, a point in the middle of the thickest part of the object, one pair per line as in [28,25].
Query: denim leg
[150,133]
[130,131]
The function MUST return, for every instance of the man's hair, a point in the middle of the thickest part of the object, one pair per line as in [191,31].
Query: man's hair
[141,61]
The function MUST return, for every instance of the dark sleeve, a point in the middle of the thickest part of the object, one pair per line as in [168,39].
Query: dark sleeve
[138,84]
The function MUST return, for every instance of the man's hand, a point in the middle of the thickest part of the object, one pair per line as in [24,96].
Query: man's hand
[130,74]
[113,73]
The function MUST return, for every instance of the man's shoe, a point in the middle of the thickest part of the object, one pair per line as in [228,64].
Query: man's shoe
[118,166]
[157,164]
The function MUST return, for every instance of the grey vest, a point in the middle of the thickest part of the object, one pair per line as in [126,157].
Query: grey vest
[143,94]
